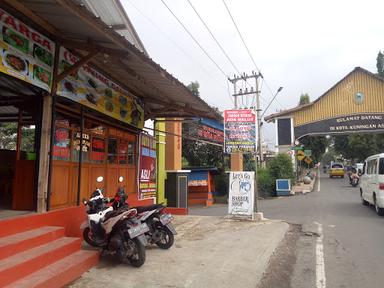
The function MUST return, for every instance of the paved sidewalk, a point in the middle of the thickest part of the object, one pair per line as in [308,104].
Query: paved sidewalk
[208,252]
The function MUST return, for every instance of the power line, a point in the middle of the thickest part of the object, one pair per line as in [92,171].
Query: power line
[179,47]
[194,39]
[213,36]
[246,47]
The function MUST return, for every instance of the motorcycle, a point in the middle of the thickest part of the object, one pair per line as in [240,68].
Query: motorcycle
[161,231]
[353,180]
[117,231]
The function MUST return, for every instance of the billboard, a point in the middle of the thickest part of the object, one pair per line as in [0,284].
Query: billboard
[92,89]
[147,167]
[25,53]
[239,131]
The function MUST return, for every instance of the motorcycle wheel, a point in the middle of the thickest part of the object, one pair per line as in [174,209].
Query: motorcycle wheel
[166,240]
[87,237]
[138,258]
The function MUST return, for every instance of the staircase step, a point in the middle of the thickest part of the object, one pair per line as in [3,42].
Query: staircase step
[19,242]
[29,261]
[61,272]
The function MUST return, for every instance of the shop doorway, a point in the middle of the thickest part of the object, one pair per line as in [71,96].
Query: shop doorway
[20,114]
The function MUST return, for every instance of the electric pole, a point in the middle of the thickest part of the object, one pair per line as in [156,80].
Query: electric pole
[255,93]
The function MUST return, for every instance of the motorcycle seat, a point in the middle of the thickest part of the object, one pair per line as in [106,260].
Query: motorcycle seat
[141,209]
[114,213]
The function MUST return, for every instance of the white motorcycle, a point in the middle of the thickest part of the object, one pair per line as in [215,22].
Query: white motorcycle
[117,231]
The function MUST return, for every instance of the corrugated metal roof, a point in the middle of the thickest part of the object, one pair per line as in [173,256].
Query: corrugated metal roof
[112,13]
[78,28]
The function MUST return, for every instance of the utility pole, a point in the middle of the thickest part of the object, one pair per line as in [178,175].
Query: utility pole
[255,93]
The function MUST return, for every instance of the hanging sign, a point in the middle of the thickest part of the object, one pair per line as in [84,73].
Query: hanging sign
[239,131]
[92,89]
[147,167]
[241,193]
[25,53]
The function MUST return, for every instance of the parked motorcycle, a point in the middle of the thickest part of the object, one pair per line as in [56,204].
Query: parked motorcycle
[117,231]
[161,231]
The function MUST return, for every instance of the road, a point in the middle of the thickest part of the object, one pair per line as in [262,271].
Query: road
[341,244]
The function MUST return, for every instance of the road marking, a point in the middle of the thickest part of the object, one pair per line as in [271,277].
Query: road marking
[320,266]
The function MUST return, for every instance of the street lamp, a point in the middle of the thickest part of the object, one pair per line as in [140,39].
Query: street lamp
[269,104]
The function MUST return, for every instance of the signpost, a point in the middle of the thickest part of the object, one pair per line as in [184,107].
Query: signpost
[300,155]
[241,193]
[308,153]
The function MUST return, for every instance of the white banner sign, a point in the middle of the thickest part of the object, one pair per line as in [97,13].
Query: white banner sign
[241,193]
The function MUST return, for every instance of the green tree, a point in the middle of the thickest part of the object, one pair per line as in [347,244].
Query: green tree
[304,99]
[317,144]
[194,88]
[380,64]
[8,137]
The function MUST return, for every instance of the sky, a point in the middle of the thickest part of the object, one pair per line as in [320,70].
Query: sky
[303,46]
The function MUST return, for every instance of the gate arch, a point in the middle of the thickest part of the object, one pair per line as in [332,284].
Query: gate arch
[355,104]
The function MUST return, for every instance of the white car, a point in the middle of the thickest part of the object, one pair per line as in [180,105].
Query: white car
[372,182]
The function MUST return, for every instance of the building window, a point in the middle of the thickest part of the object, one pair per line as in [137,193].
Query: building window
[112,151]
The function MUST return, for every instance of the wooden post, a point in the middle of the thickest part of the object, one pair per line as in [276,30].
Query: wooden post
[45,143]
[237,161]
[19,131]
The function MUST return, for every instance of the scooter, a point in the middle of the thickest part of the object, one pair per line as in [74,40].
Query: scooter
[118,231]
[161,231]
[353,180]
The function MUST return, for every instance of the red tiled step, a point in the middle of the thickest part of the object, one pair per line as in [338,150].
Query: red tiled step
[29,261]
[19,242]
[60,273]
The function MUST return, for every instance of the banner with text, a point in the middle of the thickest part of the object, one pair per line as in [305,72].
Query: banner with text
[25,53]
[147,167]
[91,88]
[241,193]
[239,131]
[361,123]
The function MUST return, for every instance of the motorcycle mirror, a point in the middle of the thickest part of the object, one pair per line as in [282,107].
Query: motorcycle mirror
[99,179]
[121,179]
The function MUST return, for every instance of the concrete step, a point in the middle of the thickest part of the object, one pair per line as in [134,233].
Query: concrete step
[61,272]
[24,263]
[16,243]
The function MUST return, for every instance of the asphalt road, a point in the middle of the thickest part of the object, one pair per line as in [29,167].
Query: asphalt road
[342,242]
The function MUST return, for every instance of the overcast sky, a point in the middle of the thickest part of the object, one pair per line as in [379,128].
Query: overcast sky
[304,46]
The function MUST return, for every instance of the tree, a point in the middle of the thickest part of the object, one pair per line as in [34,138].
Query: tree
[380,64]
[317,144]
[304,99]
[194,87]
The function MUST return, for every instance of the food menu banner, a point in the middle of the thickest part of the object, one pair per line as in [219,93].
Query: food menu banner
[239,131]
[147,167]
[92,89]
[25,53]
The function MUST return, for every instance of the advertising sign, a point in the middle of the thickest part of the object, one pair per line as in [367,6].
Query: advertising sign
[365,122]
[92,89]
[241,193]
[147,167]
[239,131]
[25,53]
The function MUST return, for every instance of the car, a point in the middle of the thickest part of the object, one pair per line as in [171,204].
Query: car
[359,167]
[372,182]
[336,169]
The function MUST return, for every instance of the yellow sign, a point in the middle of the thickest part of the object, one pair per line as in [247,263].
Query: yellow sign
[300,155]
[308,160]
[25,53]
[92,89]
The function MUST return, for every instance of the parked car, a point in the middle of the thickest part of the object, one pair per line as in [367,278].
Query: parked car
[336,169]
[372,182]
